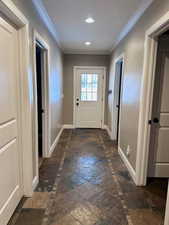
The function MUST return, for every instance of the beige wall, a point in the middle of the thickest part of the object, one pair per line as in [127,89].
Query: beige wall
[133,47]
[56,91]
[78,60]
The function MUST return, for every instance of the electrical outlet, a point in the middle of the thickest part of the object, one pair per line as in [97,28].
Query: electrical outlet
[128,150]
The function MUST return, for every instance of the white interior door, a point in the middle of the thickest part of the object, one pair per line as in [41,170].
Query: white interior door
[89,85]
[10,184]
[159,144]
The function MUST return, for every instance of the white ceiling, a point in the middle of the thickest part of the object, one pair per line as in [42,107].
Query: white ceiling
[114,18]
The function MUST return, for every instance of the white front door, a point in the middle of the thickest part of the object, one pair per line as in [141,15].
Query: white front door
[89,97]
[10,184]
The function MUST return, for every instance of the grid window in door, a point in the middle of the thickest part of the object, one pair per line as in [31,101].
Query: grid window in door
[89,87]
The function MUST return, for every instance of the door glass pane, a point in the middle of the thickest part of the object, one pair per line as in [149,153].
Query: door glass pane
[89,87]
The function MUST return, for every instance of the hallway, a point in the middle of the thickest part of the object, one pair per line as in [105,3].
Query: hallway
[86,183]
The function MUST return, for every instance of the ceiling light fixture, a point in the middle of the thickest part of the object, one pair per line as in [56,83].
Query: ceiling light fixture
[87,43]
[90,20]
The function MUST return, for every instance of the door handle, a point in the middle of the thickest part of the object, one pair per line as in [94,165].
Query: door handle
[77,104]
[155,120]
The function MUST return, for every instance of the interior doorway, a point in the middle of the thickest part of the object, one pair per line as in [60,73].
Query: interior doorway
[40,100]
[158,165]
[117,93]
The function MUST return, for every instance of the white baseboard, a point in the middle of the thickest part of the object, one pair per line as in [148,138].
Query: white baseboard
[127,164]
[52,148]
[105,127]
[68,126]
[35,183]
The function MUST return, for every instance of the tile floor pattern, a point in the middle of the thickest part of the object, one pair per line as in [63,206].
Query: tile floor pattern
[86,183]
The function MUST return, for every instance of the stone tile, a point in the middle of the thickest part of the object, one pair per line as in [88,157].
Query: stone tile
[136,200]
[145,217]
[86,214]
[30,217]
[106,202]
[88,190]
[38,201]
[126,185]
[114,220]
[90,172]
[70,182]
[63,204]
[67,220]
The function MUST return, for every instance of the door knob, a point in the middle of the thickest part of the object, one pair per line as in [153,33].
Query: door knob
[155,120]
[77,104]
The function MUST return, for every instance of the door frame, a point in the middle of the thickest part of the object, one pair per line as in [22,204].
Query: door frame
[11,13]
[75,68]
[46,100]
[146,98]
[119,58]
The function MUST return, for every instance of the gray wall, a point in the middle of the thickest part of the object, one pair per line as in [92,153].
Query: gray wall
[70,61]
[133,47]
[56,85]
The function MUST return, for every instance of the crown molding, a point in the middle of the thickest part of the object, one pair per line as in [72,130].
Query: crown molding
[47,20]
[132,22]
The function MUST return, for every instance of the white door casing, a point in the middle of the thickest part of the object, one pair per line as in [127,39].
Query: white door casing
[116,99]
[146,97]
[46,120]
[89,95]
[11,189]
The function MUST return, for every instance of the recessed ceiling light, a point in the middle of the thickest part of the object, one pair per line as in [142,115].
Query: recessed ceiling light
[87,43]
[90,20]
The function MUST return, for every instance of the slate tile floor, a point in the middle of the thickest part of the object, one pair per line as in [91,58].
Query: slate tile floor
[86,183]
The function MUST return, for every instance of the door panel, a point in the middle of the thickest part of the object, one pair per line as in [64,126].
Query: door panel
[89,85]
[164,119]
[165,86]
[8,155]
[10,187]
[7,132]
[163,132]
[163,143]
